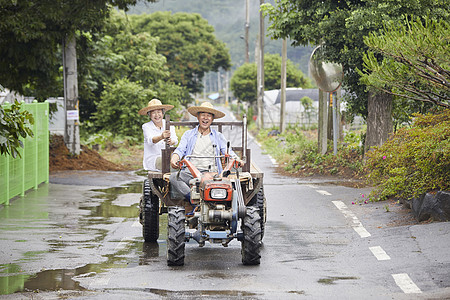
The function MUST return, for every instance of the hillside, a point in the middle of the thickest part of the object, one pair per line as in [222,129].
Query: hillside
[228,19]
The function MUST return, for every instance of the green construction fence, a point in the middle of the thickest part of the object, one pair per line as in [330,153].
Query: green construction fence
[17,175]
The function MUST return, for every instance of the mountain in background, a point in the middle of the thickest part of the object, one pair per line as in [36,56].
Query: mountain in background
[228,19]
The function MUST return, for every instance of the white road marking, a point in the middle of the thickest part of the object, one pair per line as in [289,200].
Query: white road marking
[102,281]
[357,226]
[379,253]
[323,192]
[311,186]
[274,162]
[406,284]
[123,243]
[136,224]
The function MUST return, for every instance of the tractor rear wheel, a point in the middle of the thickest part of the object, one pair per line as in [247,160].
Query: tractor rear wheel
[175,236]
[259,201]
[149,214]
[251,243]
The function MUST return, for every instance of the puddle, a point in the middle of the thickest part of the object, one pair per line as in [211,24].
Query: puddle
[297,292]
[188,294]
[138,253]
[120,201]
[104,207]
[332,279]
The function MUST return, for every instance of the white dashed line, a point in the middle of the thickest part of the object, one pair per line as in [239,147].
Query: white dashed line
[123,243]
[311,186]
[356,224]
[274,162]
[102,281]
[325,193]
[406,284]
[379,253]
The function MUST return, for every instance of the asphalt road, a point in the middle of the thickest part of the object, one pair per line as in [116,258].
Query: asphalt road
[78,237]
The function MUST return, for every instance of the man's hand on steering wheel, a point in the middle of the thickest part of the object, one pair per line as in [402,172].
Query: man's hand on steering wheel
[240,162]
[174,161]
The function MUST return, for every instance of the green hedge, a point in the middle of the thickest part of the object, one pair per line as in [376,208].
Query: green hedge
[414,161]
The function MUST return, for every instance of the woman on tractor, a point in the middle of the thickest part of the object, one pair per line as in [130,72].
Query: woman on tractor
[155,134]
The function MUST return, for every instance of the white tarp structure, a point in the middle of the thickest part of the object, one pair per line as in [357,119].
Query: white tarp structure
[294,110]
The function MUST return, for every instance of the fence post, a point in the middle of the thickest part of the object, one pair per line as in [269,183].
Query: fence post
[47,136]
[7,179]
[36,149]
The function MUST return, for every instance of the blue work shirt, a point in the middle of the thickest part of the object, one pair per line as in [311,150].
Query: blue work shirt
[189,138]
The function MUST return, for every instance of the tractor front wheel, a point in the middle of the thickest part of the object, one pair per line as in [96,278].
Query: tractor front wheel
[251,243]
[149,214]
[259,201]
[175,236]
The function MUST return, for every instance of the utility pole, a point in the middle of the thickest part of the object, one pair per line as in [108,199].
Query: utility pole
[227,87]
[247,27]
[323,122]
[258,78]
[219,82]
[283,85]
[72,129]
[260,101]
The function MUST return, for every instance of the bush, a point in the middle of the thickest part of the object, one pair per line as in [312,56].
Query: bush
[299,154]
[414,161]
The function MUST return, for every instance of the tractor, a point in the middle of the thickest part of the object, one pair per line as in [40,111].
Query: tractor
[222,207]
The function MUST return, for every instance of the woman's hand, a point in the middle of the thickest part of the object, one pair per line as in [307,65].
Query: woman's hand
[165,134]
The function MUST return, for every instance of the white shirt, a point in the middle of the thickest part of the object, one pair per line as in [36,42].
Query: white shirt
[152,150]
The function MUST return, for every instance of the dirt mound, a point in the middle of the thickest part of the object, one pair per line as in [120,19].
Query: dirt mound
[61,159]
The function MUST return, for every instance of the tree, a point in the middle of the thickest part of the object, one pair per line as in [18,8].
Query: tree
[14,125]
[117,54]
[188,43]
[119,101]
[243,82]
[307,104]
[415,61]
[31,33]
[340,26]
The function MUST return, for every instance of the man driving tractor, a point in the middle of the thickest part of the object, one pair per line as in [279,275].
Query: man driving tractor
[202,143]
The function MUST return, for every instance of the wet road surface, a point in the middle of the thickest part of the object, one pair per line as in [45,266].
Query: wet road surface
[79,237]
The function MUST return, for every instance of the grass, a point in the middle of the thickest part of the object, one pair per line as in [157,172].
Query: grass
[296,152]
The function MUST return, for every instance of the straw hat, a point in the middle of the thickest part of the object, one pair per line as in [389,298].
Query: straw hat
[154,104]
[206,107]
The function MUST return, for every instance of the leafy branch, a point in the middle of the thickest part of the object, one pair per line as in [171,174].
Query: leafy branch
[410,61]
[14,125]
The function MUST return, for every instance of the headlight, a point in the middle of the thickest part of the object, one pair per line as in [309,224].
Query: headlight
[218,193]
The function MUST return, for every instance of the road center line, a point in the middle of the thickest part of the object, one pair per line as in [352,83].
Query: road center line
[311,186]
[123,243]
[379,253]
[102,281]
[356,224]
[325,193]
[274,162]
[406,284]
